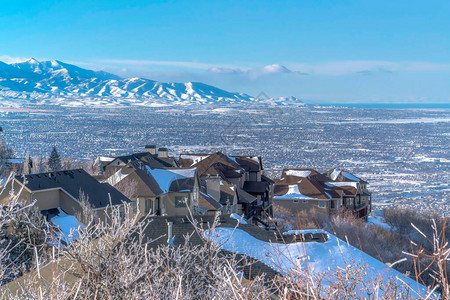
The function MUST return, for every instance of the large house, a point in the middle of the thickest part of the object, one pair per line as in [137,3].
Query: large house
[330,193]
[236,182]
[157,183]
[155,158]
[65,190]
[161,191]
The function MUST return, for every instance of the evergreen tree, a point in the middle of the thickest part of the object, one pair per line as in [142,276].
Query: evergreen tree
[54,161]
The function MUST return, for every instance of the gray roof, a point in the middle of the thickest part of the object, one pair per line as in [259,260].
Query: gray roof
[157,233]
[74,181]
[152,160]
[151,185]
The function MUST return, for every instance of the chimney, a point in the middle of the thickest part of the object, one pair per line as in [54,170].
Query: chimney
[150,149]
[170,233]
[163,152]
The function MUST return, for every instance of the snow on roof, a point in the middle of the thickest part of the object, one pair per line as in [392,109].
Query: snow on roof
[298,173]
[335,173]
[293,193]
[106,159]
[195,158]
[165,177]
[116,178]
[67,224]
[350,176]
[315,257]
[343,183]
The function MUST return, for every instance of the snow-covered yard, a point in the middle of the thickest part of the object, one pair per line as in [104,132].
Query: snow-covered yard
[311,257]
[68,225]
[377,219]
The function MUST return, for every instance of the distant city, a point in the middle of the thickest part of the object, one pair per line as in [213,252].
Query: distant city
[403,153]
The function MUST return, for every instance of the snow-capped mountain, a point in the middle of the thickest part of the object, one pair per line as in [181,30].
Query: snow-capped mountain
[55,82]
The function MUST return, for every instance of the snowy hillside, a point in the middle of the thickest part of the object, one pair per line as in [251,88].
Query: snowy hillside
[55,82]
[314,257]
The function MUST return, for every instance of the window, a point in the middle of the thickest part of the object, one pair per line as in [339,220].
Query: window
[305,201]
[322,204]
[181,201]
[333,203]
[148,205]
[295,201]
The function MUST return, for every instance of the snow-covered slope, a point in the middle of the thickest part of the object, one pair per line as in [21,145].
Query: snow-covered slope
[317,258]
[55,82]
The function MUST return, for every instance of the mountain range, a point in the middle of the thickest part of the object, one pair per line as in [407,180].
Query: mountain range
[58,83]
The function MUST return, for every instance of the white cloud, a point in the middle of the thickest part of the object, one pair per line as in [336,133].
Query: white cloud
[331,68]
[223,70]
[366,67]
[426,66]
[165,63]
[275,68]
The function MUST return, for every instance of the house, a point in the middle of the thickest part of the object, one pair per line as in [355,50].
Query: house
[236,182]
[338,174]
[166,191]
[306,189]
[65,190]
[155,158]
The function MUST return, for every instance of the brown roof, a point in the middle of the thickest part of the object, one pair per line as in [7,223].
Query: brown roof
[216,163]
[205,200]
[313,184]
[147,185]
[248,163]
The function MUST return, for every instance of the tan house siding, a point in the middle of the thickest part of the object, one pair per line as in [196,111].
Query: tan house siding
[297,205]
[68,204]
[24,196]
[46,199]
[171,210]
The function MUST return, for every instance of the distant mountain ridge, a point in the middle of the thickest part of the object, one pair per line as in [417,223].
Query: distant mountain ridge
[56,82]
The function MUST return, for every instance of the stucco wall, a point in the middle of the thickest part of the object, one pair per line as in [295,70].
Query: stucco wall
[171,210]
[294,207]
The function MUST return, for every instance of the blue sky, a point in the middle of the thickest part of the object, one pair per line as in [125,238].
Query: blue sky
[319,51]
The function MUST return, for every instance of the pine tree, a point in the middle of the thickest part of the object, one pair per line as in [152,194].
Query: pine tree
[54,161]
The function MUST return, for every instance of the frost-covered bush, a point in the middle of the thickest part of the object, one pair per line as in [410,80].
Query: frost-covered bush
[23,232]
[115,260]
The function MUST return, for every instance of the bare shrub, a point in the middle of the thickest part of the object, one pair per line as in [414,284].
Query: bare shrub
[86,214]
[401,218]
[87,166]
[114,259]
[23,231]
[311,219]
